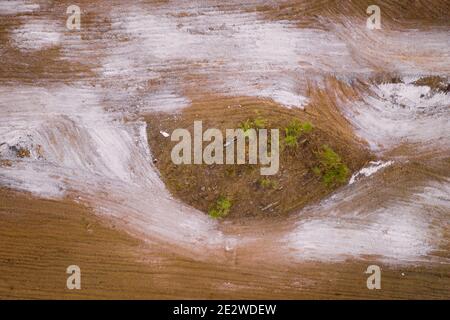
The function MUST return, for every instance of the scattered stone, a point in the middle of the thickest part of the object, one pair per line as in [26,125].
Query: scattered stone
[164,134]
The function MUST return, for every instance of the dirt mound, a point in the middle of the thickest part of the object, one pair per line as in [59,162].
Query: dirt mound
[317,152]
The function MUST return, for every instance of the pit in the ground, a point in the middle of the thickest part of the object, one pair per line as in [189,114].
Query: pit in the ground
[316,157]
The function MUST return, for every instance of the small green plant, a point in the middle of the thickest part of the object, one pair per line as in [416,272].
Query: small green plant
[331,168]
[290,141]
[221,208]
[307,127]
[267,183]
[294,130]
[258,123]
[246,125]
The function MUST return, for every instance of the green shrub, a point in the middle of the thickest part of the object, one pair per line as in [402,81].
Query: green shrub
[331,168]
[290,141]
[267,183]
[246,125]
[221,208]
[258,123]
[307,127]
[294,131]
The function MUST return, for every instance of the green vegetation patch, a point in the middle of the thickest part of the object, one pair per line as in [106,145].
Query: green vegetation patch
[221,208]
[331,168]
[258,123]
[294,131]
[267,183]
[235,191]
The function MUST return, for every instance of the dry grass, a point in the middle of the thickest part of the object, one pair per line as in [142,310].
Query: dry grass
[435,83]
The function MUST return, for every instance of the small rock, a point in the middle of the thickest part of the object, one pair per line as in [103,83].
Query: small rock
[164,134]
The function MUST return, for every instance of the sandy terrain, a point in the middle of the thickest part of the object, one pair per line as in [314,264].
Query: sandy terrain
[78,181]
[41,238]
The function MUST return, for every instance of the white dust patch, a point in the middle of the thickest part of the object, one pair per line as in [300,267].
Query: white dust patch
[97,156]
[106,162]
[13,7]
[162,101]
[374,166]
[391,114]
[392,236]
[231,53]
[398,232]
[36,35]
[405,51]
[285,97]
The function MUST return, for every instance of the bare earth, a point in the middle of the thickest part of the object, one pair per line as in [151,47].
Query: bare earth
[41,238]
[79,184]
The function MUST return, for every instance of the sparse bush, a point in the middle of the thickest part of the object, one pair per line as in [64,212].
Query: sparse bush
[291,141]
[267,183]
[331,168]
[246,125]
[221,208]
[294,128]
[294,131]
[258,123]
[307,127]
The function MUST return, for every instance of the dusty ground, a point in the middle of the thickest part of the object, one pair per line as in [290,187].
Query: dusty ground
[41,238]
[78,105]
